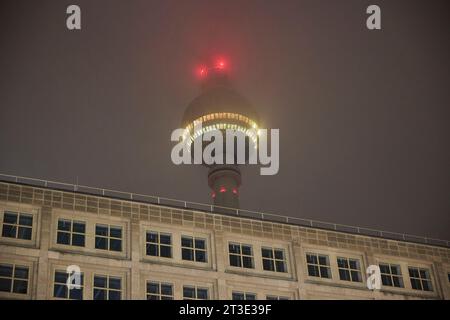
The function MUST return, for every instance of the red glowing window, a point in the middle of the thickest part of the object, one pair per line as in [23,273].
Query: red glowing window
[235,191]
[213,195]
[222,190]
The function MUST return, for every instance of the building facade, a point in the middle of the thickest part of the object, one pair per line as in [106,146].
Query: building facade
[129,249]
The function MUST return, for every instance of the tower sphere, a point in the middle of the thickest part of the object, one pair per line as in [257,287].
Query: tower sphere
[220,107]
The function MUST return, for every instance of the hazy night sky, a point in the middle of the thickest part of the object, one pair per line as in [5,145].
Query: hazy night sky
[363,115]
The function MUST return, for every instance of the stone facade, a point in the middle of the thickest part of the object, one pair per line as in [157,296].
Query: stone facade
[43,256]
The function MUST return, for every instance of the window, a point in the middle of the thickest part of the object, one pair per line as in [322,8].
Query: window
[273,259]
[159,244]
[71,233]
[420,279]
[448,275]
[241,255]
[195,293]
[17,225]
[108,237]
[318,265]
[276,298]
[349,269]
[159,291]
[391,275]
[61,290]
[243,296]
[107,288]
[13,278]
[193,249]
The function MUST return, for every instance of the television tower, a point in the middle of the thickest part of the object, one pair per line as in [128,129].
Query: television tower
[220,107]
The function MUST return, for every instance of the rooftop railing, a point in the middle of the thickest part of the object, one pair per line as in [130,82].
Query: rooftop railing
[271,217]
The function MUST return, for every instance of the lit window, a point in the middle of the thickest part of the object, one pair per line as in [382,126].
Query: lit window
[420,279]
[193,249]
[159,291]
[14,278]
[108,237]
[318,265]
[349,269]
[195,293]
[243,296]
[71,233]
[273,259]
[17,225]
[61,290]
[391,275]
[107,288]
[158,244]
[270,297]
[241,255]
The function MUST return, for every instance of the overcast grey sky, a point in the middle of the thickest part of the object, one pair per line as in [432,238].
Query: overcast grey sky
[363,115]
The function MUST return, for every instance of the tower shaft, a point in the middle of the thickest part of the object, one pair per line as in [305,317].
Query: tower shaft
[225,180]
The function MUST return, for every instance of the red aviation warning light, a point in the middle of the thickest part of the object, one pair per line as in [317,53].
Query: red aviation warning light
[219,66]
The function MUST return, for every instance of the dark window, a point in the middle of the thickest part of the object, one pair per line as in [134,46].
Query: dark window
[273,259]
[241,255]
[107,288]
[194,293]
[193,249]
[159,291]
[71,233]
[14,278]
[318,265]
[276,298]
[108,237]
[62,291]
[349,269]
[158,244]
[391,275]
[420,279]
[243,296]
[17,225]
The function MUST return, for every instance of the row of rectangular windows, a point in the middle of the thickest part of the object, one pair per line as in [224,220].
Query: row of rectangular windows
[15,279]
[159,244]
[349,270]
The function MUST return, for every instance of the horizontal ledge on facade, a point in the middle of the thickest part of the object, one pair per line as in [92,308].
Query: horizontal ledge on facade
[259,275]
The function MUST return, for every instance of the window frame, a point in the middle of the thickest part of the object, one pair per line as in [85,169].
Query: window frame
[108,237]
[318,265]
[159,294]
[196,288]
[274,260]
[158,244]
[107,288]
[194,249]
[90,233]
[391,275]
[53,283]
[276,297]
[71,232]
[349,269]
[245,295]
[420,279]
[241,255]
[13,278]
[32,210]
